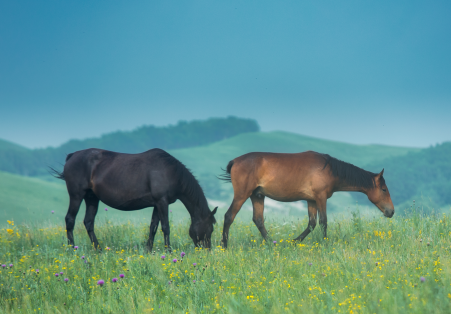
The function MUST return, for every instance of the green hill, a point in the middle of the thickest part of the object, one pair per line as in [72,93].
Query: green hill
[31,199]
[15,157]
[20,160]
[423,176]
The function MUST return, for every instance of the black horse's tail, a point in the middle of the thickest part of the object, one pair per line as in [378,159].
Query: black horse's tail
[226,175]
[56,173]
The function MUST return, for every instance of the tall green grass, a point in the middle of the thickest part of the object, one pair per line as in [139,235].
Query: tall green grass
[365,266]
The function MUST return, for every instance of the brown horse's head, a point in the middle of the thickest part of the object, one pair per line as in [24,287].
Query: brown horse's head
[380,196]
[201,230]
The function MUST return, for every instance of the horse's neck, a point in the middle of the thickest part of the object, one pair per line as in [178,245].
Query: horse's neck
[341,186]
[194,210]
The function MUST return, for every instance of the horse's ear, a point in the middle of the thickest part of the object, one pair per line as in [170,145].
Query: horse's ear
[379,175]
[214,211]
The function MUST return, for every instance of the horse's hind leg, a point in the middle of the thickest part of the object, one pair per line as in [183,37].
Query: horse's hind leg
[153,228]
[92,205]
[258,203]
[229,217]
[74,206]
[163,207]
[322,213]
[312,214]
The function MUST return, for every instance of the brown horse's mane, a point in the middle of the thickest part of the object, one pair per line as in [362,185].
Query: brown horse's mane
[188,183]
[350,174]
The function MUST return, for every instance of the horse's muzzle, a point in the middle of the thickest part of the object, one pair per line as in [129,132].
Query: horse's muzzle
[389,213]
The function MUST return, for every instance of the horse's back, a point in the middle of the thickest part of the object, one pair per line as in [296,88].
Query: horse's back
[280,161]
[118,178]
[281,176]
[88,159]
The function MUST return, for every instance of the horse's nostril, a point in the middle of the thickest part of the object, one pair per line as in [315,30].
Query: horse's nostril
[389,213]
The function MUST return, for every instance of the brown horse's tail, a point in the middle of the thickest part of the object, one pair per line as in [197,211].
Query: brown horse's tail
[226,175]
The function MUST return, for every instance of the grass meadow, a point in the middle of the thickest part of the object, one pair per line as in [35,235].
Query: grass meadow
[367,265]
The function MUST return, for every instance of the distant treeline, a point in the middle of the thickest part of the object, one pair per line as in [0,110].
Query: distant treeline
[17,159]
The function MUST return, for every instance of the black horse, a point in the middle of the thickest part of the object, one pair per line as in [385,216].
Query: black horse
[131,182]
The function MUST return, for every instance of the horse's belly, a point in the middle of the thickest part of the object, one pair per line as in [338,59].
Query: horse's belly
[122,202]
[287,195]
[290,198]
[136,204]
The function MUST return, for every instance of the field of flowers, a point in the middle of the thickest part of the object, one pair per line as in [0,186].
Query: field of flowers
[378,265]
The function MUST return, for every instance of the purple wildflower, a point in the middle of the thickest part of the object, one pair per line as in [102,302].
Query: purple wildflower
[37,270]
[422,279]
[174,260]
[106,209]
[61,273]
[274,242]
[194,281]
[163,257]
[11,265]
[310,264]
[170,211]
[66,279]
[3,265]
[53,211]
[182,254]
[83,257]
[194,264]
[122,275]
[56,274]
[76,247]
[114,279]
[100,282]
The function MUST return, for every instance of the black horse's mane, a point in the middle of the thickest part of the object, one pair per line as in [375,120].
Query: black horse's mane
[188,183]
[350,174]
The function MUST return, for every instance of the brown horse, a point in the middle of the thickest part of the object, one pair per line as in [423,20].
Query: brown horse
[309,176]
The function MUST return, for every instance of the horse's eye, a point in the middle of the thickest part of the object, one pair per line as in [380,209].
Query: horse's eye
[385,190]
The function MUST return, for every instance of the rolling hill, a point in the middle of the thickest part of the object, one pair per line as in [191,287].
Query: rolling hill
[423,176]
[32,199]
[34,162]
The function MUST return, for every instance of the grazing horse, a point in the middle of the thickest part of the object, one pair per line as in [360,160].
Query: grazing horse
[134,181]
[309,176]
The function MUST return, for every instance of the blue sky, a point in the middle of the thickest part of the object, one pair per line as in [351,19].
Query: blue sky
[354,71]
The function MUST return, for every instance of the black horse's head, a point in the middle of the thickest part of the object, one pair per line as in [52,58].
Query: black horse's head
[201,230]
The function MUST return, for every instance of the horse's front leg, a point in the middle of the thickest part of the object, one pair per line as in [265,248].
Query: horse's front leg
[163,207]
[153,228]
